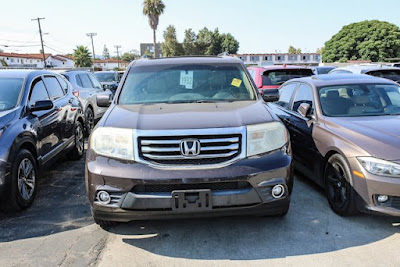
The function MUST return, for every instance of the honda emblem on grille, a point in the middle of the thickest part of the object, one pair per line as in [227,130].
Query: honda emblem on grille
[190,147]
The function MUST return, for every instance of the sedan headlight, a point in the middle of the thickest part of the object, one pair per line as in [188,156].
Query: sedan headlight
[262,138]
[113,142]
[379,166]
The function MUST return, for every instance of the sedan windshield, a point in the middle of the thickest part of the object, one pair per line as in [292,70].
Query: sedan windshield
[10,89]
[360,100]
[105,77]
[278,77]
[393,75]
[186,84]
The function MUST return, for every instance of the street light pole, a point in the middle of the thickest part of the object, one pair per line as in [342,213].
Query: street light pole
[41,40]
[117,47]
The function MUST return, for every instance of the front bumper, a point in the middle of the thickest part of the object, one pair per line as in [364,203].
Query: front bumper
[371,186]
[141,192]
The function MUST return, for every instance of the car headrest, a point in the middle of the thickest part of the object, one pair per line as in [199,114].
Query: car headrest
[360,99]
[332,94]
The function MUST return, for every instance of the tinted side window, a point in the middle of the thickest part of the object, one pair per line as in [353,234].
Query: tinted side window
[53,87]
[95,82]
[286,93]
[63,83]
[78,81]
[38,92]
[304,95]
[85,81]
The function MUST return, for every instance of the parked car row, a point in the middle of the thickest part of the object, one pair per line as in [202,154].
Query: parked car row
[190,137]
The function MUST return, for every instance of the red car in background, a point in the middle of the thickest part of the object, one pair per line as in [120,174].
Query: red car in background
[271,77]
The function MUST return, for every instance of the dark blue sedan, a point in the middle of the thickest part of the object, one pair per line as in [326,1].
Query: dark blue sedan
[40,119]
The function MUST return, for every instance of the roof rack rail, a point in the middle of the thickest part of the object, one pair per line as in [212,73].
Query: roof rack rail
[224,54]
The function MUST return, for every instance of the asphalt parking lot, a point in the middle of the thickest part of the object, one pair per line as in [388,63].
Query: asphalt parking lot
[58,230]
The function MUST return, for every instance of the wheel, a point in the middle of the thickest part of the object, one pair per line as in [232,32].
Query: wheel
[340,194]
[89,116]
[77,151]
[104,224]
[23,181]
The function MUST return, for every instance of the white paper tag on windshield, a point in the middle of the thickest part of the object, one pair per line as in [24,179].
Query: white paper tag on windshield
[187,79]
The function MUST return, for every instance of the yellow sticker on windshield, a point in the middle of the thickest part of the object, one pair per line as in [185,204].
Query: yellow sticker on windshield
[236,82]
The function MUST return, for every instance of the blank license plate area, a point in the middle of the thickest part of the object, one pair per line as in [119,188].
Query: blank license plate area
[191,200]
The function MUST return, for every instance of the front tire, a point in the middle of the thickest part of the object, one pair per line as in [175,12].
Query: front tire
[77,151]
[340,194]
[23,181]
[89,121]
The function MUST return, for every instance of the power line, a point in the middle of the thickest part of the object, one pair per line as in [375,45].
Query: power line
[58,51]
[8,45]
[41,40]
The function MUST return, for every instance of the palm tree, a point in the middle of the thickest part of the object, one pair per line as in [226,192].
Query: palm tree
[82,57]
[153,9]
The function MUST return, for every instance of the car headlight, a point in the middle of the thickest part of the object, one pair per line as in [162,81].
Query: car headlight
[262,138]
[379,166]
[113,142]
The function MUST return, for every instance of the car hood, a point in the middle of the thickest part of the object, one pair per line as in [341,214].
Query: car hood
[378,135]
[6,116]
[188,115]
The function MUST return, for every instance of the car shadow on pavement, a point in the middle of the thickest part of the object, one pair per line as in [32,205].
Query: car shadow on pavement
[310,227]
[60,205]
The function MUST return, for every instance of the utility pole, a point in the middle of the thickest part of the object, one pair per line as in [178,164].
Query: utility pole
[41,40]
[91,37]
[117,47]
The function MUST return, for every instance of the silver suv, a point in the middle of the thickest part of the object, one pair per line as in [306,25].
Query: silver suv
[86,88]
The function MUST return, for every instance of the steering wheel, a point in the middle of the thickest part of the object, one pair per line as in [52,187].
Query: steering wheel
[223,95]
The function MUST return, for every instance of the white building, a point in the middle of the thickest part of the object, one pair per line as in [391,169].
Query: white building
[110,64]
[15,60]
[280,59]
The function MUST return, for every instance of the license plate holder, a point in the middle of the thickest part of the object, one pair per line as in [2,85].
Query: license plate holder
[191,200]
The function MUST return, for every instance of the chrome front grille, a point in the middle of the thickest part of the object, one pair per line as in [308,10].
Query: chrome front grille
[217,147]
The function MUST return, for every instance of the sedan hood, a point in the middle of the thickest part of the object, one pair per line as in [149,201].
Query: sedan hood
[378,135]
[6,117]
[188,115]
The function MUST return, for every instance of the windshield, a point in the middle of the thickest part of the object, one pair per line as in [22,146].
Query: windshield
[278,77]
[10,89]
[360,100]
[393,75]
[186,84]
[105,77]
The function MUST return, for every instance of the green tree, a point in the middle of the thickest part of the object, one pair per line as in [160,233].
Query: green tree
[189,43]
[293,50]
[171,46]
[153,9]
[127,56]
[367,40]
[203,40]
[106,53]
[82,57]
[229,43]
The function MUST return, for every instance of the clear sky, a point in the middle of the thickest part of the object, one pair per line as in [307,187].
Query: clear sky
[261,26]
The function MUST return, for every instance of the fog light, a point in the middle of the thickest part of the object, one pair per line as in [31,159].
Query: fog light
[382,198]
[278,191]
[103,197]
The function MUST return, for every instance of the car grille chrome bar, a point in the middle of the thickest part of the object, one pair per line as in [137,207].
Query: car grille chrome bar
[219,147]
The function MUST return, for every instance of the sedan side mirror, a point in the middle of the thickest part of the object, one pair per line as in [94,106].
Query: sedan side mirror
[304,110]
[42,105]
[270,95]
[103,100]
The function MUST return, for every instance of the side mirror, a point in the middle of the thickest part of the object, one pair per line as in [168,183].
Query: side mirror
[304,110]
[42,105]
[103,100]
[270,95]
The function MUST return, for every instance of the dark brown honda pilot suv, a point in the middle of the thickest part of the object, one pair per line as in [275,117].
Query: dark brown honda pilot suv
[187,137]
